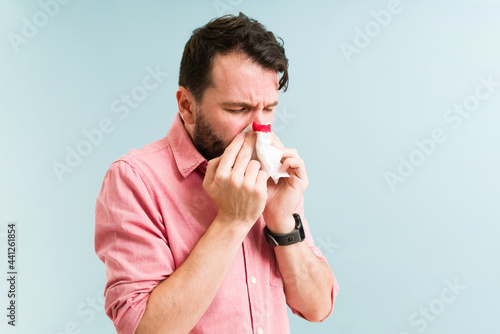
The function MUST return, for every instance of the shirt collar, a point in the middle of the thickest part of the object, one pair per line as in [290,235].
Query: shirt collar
[185,154]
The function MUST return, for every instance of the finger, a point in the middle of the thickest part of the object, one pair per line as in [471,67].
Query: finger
[276,141]
[298,166]
[262,180]
[229,156]
[210,173]
[293,163]
[245,154]
[251,173]
[289,153]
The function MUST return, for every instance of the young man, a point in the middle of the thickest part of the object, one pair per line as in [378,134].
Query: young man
[180,223]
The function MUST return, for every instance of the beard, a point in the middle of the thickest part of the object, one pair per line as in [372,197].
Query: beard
[205,139]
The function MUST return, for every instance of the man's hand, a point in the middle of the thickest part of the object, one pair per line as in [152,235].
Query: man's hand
[235,182]
[283,197]
[238,188]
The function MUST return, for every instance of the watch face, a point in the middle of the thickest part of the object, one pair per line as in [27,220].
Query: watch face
[299,226]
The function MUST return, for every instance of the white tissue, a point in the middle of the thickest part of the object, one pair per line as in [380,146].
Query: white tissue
[268,155]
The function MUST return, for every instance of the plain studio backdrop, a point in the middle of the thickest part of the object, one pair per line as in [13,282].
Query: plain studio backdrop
[393,105]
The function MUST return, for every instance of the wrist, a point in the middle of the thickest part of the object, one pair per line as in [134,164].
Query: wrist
[236,228]
[286,239]
[281,225]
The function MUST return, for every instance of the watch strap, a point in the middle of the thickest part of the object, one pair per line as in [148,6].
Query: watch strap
[297,235]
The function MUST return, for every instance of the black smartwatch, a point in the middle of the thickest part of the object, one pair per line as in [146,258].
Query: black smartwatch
[297,235]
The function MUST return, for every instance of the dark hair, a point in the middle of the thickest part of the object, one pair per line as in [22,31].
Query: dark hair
[222,36]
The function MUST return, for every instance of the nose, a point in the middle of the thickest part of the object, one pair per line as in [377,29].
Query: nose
[258,116]
[261,116]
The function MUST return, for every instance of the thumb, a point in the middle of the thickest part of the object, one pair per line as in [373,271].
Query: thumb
[210,173]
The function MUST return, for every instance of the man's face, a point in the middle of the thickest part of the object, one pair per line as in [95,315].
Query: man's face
[242,92]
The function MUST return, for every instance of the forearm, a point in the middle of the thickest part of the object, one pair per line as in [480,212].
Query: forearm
[178,303]
[307,279]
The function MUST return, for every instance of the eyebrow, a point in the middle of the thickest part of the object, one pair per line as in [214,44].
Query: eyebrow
[245,105]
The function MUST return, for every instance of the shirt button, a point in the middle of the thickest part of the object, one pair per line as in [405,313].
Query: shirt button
[254,280]
[260,330]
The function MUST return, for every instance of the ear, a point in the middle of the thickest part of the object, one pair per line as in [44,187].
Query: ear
[187,105]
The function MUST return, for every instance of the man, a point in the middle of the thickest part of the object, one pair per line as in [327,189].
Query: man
[180,223]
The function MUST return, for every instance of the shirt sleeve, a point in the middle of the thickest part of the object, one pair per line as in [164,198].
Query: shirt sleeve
[130,240]
[310,242]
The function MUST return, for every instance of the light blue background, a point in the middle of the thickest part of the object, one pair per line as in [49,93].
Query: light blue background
[391,251]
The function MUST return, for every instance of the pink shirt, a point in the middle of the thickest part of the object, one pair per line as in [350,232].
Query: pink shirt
[150,213]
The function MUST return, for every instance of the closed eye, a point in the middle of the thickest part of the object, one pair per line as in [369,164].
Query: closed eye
[236,110]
